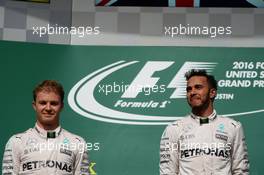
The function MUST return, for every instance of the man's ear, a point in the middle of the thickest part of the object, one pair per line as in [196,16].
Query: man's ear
[34,105]
[213,93]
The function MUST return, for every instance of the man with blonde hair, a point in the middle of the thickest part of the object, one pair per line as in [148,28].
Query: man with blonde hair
[46,148]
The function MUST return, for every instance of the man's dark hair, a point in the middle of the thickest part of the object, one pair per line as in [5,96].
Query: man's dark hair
[201,72]
[49,86]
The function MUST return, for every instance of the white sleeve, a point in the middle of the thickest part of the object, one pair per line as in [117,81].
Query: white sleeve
[240,162]
[82,163]
[11,158]
[169,151]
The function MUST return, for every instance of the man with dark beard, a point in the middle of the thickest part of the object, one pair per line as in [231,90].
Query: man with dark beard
[203,142]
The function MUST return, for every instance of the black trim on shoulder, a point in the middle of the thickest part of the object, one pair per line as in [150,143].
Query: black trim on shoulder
[18,137]
[234,124]
[78,139]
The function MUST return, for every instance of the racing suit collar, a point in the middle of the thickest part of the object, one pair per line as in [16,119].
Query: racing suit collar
[211,117]
[48,133]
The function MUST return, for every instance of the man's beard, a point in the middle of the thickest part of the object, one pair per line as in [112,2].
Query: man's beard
[199,108]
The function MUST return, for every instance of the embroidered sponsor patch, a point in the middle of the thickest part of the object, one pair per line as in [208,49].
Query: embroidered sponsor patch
[221,137]
[65,151]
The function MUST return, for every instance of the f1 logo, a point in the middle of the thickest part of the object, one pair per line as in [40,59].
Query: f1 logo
[144,77]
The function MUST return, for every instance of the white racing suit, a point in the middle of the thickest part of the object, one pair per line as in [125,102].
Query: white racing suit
[39,152]
[215,148]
